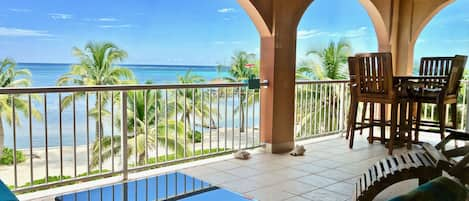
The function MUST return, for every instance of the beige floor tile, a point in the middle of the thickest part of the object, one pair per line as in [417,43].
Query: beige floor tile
[224,165]
[308,167]
[269,194]
[317,180]
[266,179]
[327,163]
[240,186]
[244,172]
[336,174]
[219,178]
[295,187]
[289,173]
[342,188]
[297,198]
[324,195]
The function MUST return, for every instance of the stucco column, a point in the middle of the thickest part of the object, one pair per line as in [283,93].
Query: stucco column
[277,22]
[398,24]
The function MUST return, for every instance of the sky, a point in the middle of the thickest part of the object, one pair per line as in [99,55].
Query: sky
[196,32]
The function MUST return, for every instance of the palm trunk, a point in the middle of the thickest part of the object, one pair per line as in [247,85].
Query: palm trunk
[98,127]
[2,136]
[141,158]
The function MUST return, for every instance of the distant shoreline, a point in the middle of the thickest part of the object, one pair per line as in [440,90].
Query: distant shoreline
[127,65]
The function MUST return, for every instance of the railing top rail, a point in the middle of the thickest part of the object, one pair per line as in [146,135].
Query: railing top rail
[300,82]
[74,89]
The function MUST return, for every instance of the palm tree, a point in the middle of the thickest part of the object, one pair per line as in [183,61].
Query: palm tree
[191,96]
[96,67]
[243,66]
[145,131]
[333,59]
[10,77]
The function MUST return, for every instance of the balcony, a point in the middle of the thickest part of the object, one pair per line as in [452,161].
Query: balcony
[78,143]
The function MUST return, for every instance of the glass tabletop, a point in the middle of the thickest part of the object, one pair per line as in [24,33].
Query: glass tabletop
[173,186]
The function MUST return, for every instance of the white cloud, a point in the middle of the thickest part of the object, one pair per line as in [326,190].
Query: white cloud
[305,34]
[60,16]
[356,33]
[107,19]
[115,26]
[226,10]
[15,32]
[20,10]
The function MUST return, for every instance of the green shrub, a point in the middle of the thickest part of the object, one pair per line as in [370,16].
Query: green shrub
[7,157]
[198,136]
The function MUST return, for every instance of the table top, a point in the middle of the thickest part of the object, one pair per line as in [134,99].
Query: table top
[420,77]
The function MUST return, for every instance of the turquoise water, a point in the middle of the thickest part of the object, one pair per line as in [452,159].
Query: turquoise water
[47,74]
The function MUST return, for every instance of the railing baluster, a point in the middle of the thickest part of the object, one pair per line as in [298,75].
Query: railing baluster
[240,118]
[87,134]
[99,131]
[145,119]
[233,118]
[112,131]
[166,124]
[46,138]
[210,120]
[60,138]
[253,115]
[135,127]
[246,117]
[202,110]
[218,120]
[193,121]
[156,126]
[74,111]
[226,118]
[30,121]
[13,122]
[124,127]
[175,124]
[185,121]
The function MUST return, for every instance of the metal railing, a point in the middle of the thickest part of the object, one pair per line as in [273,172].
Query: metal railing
[321,107]
[430,112]
[74,134]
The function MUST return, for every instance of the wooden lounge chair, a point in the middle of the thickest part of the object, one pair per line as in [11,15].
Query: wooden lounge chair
[423,165]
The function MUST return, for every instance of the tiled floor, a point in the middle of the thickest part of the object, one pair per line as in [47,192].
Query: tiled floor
[328,171]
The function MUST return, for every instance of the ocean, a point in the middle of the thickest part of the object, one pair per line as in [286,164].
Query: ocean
[47,74]
[44,75]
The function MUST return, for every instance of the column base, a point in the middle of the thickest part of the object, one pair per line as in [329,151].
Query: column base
[279,148]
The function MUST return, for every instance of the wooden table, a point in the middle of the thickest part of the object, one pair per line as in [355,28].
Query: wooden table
[405,86]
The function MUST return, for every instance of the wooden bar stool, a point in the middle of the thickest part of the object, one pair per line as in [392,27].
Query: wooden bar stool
[372,82]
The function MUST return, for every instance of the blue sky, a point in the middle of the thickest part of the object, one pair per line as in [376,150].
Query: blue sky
[197,32]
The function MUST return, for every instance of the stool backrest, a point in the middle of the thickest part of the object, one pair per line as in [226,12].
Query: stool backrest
[457,69]
[374,72]
[438,66]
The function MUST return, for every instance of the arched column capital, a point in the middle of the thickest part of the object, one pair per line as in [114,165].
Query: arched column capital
[398,24]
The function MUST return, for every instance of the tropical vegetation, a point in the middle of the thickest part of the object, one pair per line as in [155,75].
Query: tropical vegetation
[12,77]
[97,66]
[244,66]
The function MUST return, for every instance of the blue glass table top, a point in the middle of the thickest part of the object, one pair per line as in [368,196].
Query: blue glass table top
[174,186]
